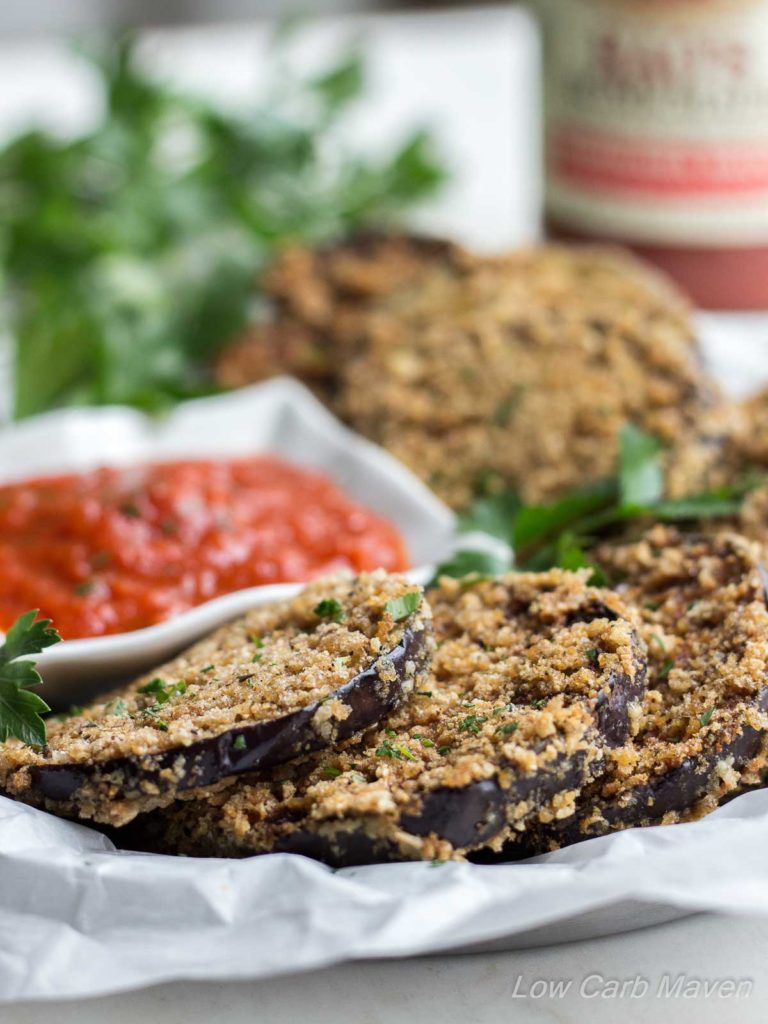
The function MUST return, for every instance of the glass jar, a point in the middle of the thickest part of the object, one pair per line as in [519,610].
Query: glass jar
[656,116]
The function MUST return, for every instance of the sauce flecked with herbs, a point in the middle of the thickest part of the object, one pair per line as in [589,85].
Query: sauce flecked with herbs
[118,549]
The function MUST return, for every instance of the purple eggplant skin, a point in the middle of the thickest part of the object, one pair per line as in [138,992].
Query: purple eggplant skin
[247,747]
[466,817]
[676,791]
[612,709]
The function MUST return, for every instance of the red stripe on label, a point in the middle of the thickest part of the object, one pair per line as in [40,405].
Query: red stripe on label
[656,168]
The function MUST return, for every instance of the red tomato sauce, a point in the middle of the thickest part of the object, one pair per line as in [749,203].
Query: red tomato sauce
[118,549]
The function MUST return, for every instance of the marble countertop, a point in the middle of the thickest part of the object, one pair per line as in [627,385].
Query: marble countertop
[657,974]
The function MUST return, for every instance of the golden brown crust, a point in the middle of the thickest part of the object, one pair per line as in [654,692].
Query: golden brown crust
[520,668]
[699,736]
[523,366]
[264,668]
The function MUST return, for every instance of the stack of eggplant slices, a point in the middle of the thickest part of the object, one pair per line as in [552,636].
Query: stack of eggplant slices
[367,720]
[617,678]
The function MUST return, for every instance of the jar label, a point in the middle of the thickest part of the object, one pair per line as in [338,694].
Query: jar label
[657,119]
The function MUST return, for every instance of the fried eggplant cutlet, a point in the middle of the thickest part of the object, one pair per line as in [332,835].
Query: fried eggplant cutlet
[534,677]
[702,602]
[319,298]
[286,679]
[518,368]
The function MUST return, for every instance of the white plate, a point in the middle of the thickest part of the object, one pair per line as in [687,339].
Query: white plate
[280,417]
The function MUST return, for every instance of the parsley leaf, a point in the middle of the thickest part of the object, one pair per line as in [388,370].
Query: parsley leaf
[666,667]
[641,478]
[162,691]
[20,709]
[472,723]
[508,728]
[706,718]
[395,751]
[27,636]
[472,566]
[329,608]
[564,532]
[401,607]
[494,514]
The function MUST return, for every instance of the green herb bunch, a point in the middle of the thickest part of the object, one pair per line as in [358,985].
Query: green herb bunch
[130,255]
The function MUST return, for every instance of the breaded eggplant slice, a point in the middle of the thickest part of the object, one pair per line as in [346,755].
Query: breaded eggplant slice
[533,676]
[702,602]
[534,337]
[318,298]
[286,679]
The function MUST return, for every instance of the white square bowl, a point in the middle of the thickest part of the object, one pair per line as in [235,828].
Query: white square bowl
[279,417]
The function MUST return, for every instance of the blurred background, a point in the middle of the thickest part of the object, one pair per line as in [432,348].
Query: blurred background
[78,15]
[153,157]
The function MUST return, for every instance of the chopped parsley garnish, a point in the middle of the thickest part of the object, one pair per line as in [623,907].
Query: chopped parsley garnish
[659,641]
[239,743]
[330,608]
[401,607]
[666,667]
[706,718]
[425,741]
[539,704]
[507,406]
[256,659]
[208,668]
[508,728]
[20,709]
[422,693]
[331,771]
[395,751]
[592,655]
[162,691]
[155,685]
[117,708]
[472,723]
[443,750]
[258,641]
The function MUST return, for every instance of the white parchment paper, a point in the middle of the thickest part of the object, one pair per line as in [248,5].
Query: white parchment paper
[78,917]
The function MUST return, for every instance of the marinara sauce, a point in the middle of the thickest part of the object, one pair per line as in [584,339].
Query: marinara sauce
[118,549]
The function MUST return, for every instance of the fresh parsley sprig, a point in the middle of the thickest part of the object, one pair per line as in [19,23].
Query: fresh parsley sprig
[20,708]
[562,533]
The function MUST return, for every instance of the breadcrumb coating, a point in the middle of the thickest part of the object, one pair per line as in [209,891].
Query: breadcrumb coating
[279,660]
[700,734]
[522,666]
[519,368]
